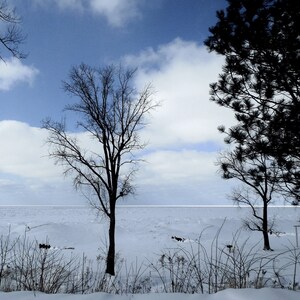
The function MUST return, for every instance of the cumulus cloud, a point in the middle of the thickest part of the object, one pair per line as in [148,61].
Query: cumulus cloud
[181,72]
[24,152]
[27,174]
[13,71]
[182,133]
[116,12]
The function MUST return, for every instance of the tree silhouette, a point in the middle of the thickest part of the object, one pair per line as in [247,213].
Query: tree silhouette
[111,112]
[260,83]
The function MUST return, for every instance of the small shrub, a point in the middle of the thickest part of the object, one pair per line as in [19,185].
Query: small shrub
[217,267]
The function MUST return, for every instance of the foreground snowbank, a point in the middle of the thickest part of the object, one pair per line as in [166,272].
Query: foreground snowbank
[229,294]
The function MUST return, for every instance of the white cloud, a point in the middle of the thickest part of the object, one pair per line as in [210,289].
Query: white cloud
[181,177]
[27,174]
[24,153]
[182,133]
[176,167]
[117,12]
[181,72]
[13,71]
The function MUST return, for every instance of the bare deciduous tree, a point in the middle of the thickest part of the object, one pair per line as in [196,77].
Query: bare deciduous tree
[112,112]
[259,174]
[11,37]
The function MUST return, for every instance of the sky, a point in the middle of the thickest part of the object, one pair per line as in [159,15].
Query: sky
[163,39]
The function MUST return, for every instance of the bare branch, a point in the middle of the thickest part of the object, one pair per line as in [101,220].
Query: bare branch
[12,37]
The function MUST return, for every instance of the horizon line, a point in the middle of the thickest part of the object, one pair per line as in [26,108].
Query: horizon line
[149,205]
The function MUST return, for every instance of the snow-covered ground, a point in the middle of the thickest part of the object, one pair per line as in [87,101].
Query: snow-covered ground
[142,234]
[230,294]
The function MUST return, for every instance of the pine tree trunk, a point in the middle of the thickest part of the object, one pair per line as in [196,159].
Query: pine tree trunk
[110,260]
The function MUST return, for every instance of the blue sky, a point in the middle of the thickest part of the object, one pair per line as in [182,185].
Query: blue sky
[164,40]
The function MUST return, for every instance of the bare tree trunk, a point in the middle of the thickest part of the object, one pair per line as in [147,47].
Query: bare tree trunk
[265,227]
[110,260]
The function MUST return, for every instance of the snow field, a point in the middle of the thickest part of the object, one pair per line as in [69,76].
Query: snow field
[142,234]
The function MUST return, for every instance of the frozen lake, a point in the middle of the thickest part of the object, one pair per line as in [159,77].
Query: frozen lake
[141,231]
